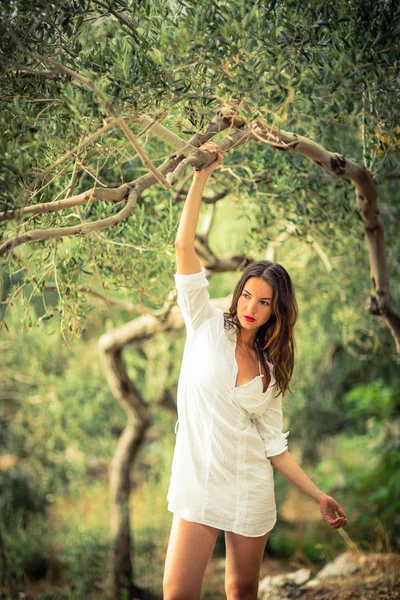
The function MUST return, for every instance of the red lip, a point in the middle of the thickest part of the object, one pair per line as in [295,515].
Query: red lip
[249,319]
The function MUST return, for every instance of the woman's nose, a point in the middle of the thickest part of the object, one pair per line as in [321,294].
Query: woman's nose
[252,307]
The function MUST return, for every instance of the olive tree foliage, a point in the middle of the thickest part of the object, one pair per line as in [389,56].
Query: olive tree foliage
[78,77]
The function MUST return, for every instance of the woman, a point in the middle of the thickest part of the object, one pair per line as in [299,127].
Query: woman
[236,368]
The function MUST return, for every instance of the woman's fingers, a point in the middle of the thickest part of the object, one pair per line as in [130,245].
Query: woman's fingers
[342,519]
[329,510]
[339,522]
[210,146]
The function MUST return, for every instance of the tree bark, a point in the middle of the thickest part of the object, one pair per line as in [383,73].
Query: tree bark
[120,469]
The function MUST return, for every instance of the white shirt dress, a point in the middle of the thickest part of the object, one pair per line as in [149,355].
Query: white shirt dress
[221,474]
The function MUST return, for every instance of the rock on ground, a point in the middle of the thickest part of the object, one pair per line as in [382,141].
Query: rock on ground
[351,576]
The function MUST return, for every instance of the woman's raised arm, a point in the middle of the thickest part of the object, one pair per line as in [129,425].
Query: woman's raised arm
[190,279]
[186,258]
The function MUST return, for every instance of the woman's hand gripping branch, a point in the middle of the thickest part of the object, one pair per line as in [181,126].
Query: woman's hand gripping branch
[207,171]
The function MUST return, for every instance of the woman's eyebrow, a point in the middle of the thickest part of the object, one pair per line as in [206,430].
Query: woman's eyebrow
[260,298]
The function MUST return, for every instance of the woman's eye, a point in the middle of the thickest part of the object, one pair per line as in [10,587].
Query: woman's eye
[263,301]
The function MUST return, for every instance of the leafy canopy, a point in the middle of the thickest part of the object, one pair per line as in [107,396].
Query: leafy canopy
[328,71]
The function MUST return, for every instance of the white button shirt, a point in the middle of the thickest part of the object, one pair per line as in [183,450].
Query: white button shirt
[221,474]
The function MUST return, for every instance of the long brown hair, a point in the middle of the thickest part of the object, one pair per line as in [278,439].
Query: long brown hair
[276,336]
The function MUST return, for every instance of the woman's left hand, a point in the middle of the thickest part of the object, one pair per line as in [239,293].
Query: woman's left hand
[328,507]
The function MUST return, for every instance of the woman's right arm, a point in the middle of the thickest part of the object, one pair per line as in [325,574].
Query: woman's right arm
[186,257]
[187,260]
[190,280]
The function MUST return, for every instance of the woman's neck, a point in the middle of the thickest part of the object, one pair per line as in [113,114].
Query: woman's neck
[247,338]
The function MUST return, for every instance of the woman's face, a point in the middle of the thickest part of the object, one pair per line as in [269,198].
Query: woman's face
[255,301]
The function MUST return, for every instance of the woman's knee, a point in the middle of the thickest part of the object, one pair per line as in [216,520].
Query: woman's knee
[241,591]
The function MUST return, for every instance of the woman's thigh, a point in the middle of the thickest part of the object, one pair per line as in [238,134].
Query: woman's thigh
[189,549]
[243,561]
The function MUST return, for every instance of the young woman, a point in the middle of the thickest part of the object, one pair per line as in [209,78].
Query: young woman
[236,368]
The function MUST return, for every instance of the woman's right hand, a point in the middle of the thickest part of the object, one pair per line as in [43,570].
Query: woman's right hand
[206,172]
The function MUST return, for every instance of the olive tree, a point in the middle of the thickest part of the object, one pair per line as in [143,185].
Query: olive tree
[104,106]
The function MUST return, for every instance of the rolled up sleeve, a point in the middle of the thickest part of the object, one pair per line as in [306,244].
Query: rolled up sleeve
[269,426]
[193,299]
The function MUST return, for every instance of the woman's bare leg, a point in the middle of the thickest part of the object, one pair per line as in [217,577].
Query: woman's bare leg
[243,561]
[189,549]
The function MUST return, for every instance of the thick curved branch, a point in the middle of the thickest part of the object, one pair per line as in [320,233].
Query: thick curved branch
[46,207]
[166,135]
[114,194]
[366,197]
[333,163]
[229,142]
[138,415]
[75,230]
[25,69]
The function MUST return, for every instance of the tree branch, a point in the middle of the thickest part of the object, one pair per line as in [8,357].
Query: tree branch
[366,198]
[393,175]
[46,207]
[181,195]
[76,230]
[25,69]
[166,135]
[113,194]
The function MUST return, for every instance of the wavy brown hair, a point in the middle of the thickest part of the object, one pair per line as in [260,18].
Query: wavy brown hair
[276,336]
